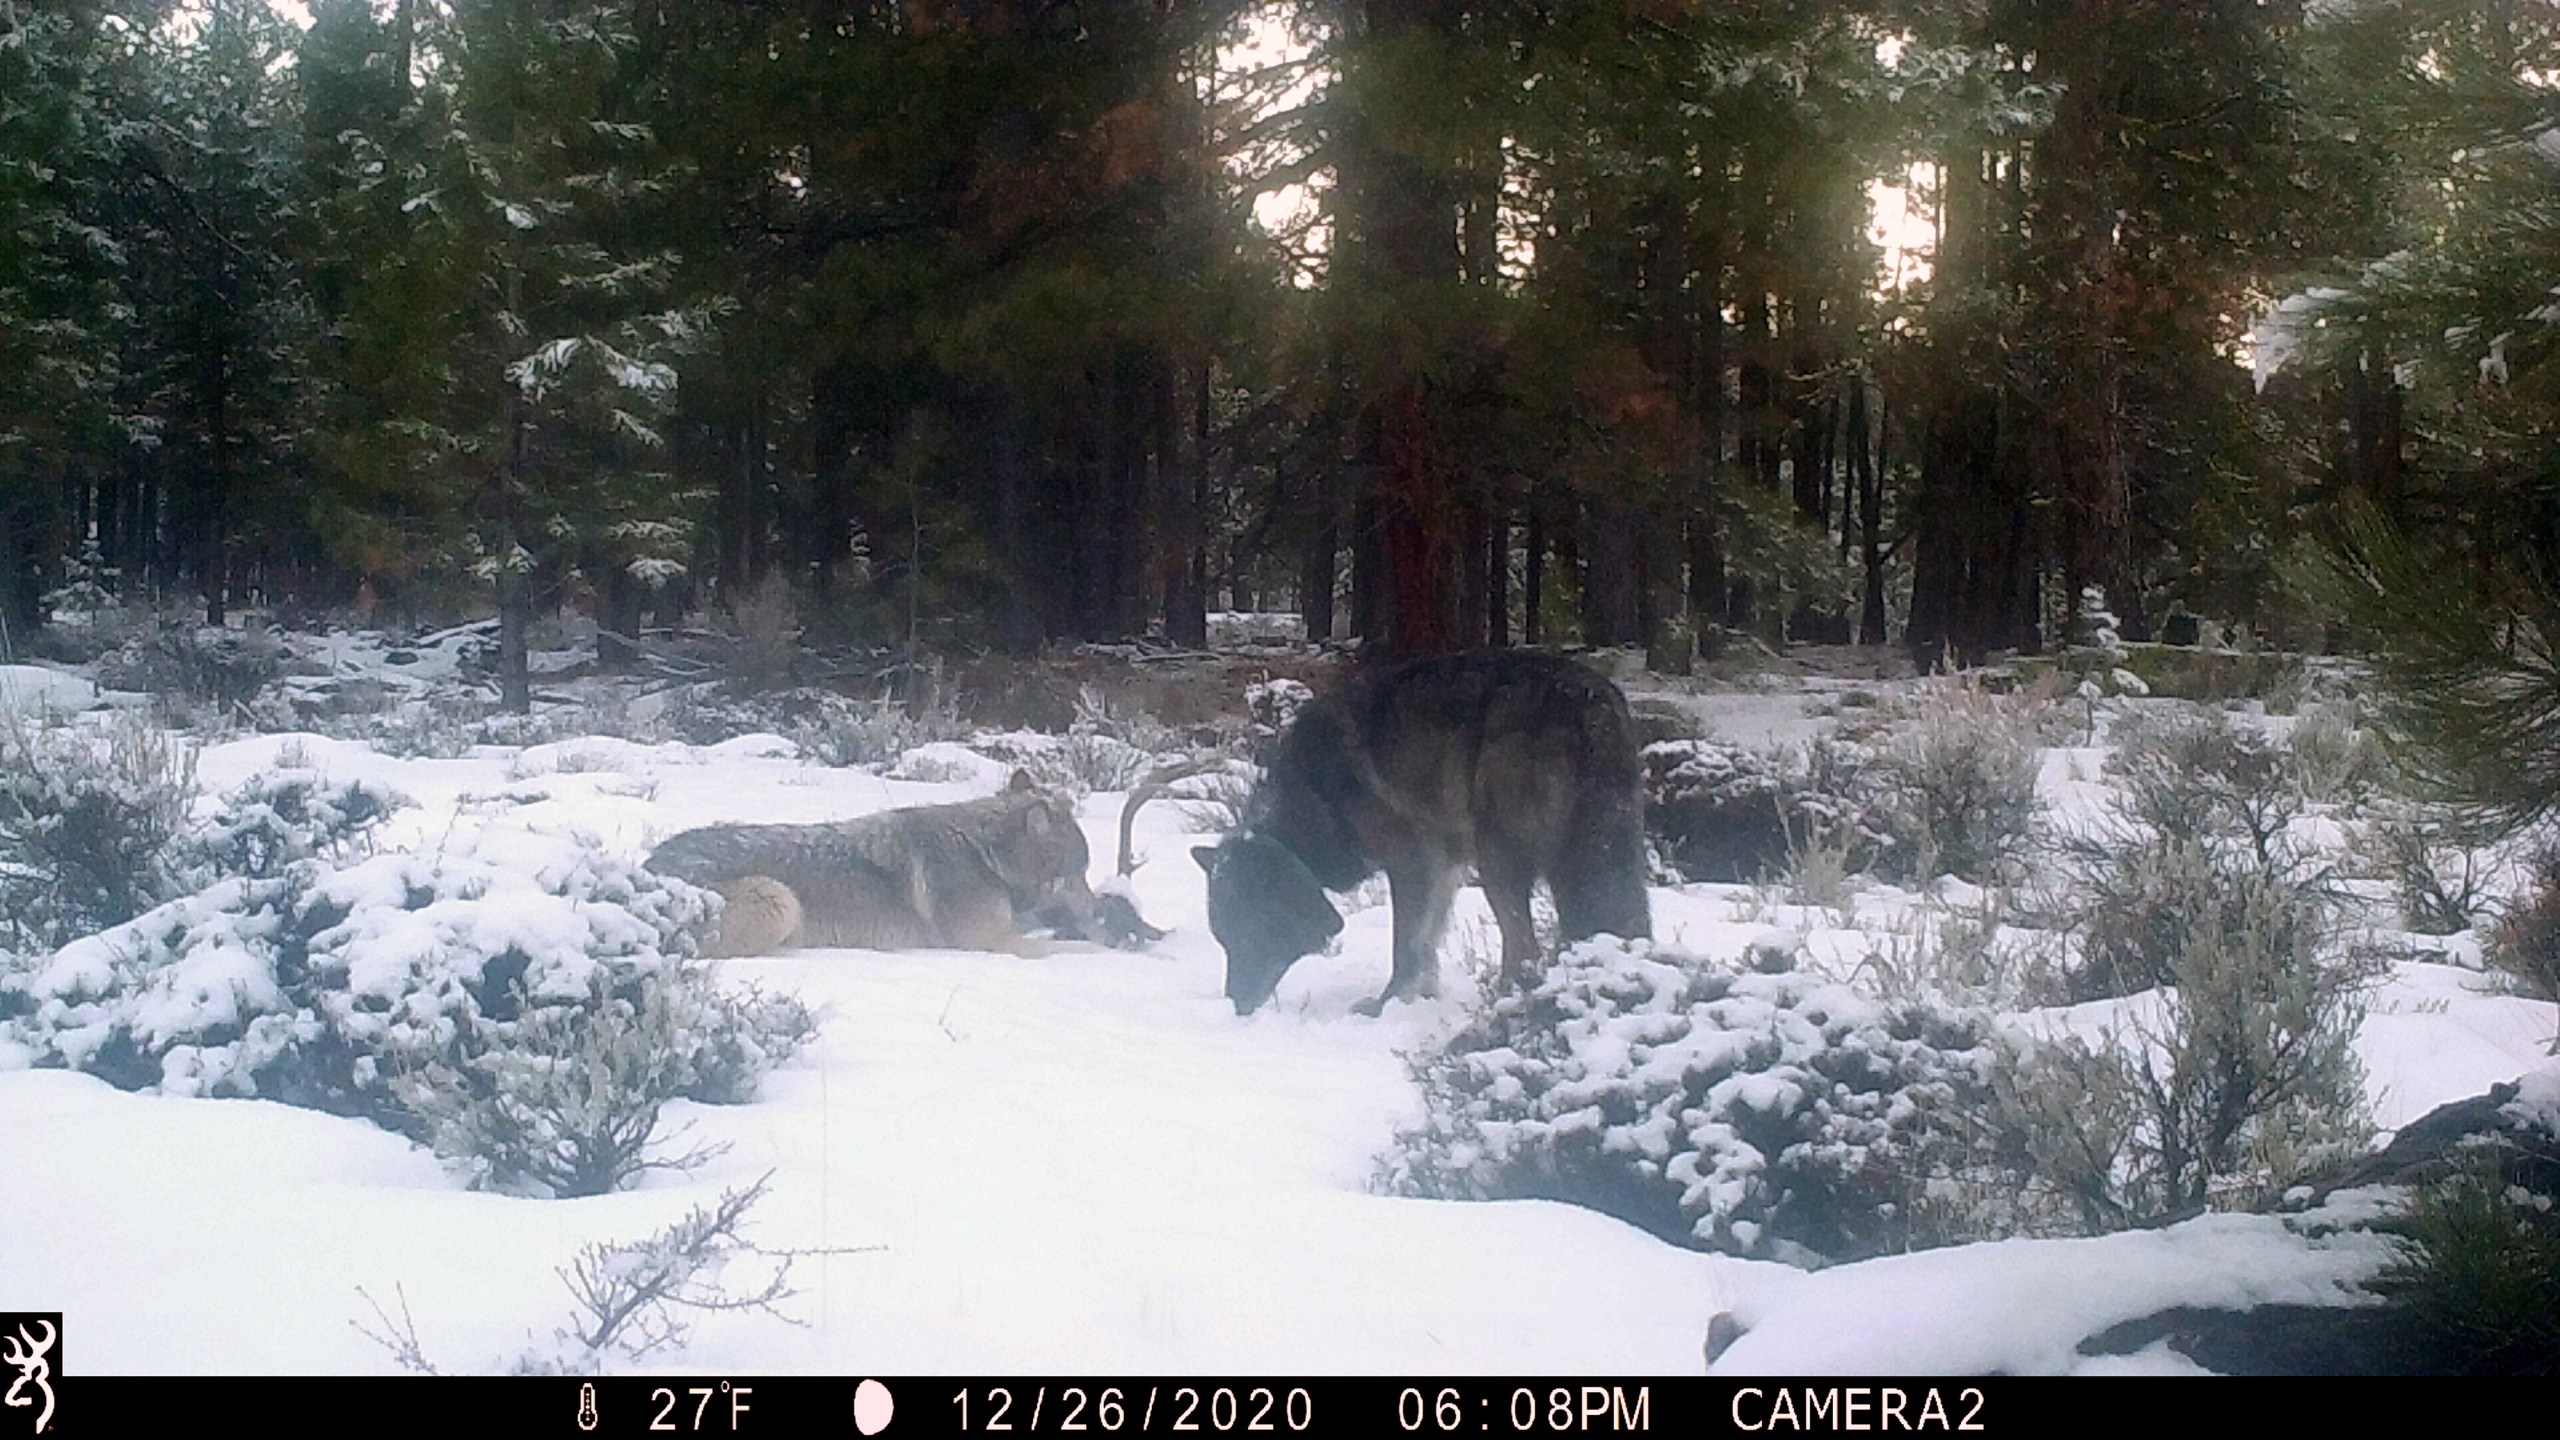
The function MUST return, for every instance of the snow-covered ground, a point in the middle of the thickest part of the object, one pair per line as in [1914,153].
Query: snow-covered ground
[1076,1162]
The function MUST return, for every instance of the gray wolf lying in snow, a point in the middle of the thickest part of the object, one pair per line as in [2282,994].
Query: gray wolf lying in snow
[1521,765]
[968,876]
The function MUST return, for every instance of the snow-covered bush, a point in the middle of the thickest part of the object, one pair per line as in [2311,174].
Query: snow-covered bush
[1966,953]
[1090,760]
[215,664]
[2232,1079]
[2439,877]
[2107,674]
[275,818]
[635,1298]
[2201,852]
[1715,811]
[568,1105]
[2335,760]
[1274,703]
[1957,784]
[85,617]
[2524,945]
[1085,759]
[448,724]
[2196,775]
[737,1037]
[540,977]
[847,732]
[1763,1113]
[1104,748]
[1719,812]
[2480,1275]
[2141,903]
[86,821]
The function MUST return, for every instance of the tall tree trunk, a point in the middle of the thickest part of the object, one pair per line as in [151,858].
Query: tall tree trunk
[1707,402]
[1671,329]
[515,588]
[1612,571]
[2089,413]
[1316,563]
[1866,460]
[1533,571]
[1406,242]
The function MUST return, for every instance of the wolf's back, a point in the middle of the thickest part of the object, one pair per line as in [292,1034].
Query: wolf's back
[925,875]
[1525,761]
[716,855]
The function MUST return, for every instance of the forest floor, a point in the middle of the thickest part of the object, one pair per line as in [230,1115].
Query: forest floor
[1082,1162]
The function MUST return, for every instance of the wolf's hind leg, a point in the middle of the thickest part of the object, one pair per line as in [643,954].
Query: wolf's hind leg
[982,920]
[1507,882]
[1599,873]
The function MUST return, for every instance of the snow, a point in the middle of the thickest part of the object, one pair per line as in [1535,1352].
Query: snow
[34,689]
[2275,336]
[1073,1163]
[2537,1101]
[2022,1307]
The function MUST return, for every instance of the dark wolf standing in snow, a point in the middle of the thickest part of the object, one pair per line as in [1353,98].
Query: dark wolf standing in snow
[1522,765]
[970,876]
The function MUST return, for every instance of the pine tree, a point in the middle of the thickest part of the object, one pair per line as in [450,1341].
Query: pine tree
[2448,557]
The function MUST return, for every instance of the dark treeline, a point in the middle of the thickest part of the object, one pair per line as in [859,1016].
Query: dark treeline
[956,318]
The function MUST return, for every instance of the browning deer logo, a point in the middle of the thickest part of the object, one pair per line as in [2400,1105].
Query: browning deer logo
[25,1343]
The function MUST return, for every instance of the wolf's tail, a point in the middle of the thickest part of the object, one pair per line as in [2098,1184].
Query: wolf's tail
[761,915]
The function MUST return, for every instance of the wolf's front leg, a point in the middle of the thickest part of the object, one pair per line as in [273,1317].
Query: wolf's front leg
[1420,895]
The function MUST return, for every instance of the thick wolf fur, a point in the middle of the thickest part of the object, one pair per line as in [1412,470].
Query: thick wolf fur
[970,876]
[1521,765]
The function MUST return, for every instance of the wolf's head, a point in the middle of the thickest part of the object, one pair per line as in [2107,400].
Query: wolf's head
[1267,909]
[1041,855]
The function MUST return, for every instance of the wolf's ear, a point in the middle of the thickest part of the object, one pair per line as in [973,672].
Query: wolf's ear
[1022,781]
[1207,855]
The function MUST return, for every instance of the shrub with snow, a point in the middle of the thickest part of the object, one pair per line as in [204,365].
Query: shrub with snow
[277,817]
[2201,853]
[2196,774]
[2141,904]
[1720,812]
[2440,877]
[2525,943]
[540,979]
[2336,761]
[1762,1113]
[215,664]
[2231,1080]
[86,821]
[1274,703]
[841,731]
[1956,785]
[568,1103]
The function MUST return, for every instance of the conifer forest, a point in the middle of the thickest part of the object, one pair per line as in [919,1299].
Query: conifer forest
[817,688]
[994,324]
